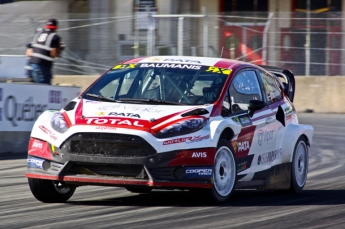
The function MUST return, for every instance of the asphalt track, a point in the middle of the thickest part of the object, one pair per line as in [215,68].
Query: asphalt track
[321,205]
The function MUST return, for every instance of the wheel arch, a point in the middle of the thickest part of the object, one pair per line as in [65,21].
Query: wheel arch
[227,134]
[292,133]
[226,129]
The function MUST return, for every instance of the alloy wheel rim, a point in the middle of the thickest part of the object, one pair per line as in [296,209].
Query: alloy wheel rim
[224,171]
[61,187]
[301,164]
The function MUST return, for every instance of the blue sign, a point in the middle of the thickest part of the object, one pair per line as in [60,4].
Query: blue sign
[34,162]
[198,172]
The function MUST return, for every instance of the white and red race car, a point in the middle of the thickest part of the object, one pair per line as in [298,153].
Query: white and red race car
[174,122]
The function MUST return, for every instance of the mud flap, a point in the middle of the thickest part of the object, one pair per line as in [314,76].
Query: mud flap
[279,177]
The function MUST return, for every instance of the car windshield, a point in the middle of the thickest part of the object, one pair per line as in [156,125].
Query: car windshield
[157,83]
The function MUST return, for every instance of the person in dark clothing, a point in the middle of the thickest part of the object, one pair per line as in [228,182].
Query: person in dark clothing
[28,68]
[45,47]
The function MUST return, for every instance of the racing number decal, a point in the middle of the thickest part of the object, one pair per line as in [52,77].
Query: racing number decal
[122,66]
[219,70]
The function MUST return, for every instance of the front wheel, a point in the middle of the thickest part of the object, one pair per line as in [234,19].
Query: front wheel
[49,191]
[139,189]
[224,172]
[300,163]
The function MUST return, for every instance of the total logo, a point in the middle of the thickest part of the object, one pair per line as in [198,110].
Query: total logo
[112,121]
[242,146]
[199,154]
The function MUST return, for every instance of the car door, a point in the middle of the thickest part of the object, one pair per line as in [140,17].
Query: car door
[275,101]
[256,137]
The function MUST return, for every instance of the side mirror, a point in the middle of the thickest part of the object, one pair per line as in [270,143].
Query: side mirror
[255,105]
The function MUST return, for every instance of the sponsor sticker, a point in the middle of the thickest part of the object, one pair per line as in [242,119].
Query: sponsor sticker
[199,154]
[162,65]
[158,59]
[37,144]
[129,108]
[219,70]
[124,66]
[113,121]
[241,166]
[264,136]
[92,102]
[124,114]
[245,120]
[48,132]
[100,113]
[269,156]
[244,163]
[187,140]
[198,172]
[105,128]
[242,146]
[34,162]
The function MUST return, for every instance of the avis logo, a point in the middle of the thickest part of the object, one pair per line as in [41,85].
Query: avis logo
[242,146]
[37,145]
[199,154]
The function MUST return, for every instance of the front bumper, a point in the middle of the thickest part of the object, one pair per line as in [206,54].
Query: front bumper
[86,159]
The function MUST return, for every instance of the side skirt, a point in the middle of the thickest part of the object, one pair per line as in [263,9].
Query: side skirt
[276,178]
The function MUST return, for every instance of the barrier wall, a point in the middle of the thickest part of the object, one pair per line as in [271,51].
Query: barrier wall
[321,94]
[21,104]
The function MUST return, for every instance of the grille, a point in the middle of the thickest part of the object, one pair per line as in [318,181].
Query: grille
[163,173]
[129,171]
[108,145]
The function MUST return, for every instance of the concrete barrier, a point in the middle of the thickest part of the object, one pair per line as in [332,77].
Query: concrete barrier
[321,94]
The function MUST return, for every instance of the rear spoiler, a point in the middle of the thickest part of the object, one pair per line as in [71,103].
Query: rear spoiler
[288,77]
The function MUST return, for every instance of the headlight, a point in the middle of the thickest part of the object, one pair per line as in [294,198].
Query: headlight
[181,127]
[58,122]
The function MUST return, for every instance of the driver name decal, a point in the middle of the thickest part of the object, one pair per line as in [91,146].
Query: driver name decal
[156,65]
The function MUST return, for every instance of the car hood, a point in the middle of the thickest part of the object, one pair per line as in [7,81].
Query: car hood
[139,111]
[129,115]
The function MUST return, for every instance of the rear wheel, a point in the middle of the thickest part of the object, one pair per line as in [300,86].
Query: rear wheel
[224,172]
[300,163]
[49,191]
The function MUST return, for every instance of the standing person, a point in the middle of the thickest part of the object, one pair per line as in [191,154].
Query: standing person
[45,46]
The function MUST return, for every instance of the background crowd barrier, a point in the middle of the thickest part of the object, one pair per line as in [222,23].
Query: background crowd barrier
[21,104]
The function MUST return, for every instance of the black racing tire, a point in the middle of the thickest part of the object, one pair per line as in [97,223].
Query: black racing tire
[299,166]
[139,189]
[224,172]
[48,191]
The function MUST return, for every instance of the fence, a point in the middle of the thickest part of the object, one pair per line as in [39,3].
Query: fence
[94,42]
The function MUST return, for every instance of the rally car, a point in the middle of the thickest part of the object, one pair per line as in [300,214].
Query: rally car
[174,122]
